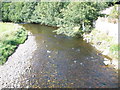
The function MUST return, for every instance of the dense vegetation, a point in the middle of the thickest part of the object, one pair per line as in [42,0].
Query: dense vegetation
[72,18]
[11,35]
[113,15]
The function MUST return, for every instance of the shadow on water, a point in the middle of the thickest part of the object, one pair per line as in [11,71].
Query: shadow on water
[61,61]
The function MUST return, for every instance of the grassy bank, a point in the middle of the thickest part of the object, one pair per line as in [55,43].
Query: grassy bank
[105,44]
[11,35]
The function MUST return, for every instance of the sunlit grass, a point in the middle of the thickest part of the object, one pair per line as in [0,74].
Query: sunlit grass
[114,49]
[11,35]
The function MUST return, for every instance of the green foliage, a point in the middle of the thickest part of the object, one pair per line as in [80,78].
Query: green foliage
[80,14]
[69,31]
[10,39]
[5,11]
[114,49]
[27,11]
[66,15]
[114,13]
[17,11]
[48,13]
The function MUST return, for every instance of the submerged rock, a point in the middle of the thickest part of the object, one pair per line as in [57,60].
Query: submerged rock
[75,61]
[48,51]
[81,64]
[55,35]
[78,50]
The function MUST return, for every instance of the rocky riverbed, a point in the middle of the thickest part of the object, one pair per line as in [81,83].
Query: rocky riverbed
[17,64]
[47,60]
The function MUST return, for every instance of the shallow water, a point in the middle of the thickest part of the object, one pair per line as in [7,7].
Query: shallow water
[61,62]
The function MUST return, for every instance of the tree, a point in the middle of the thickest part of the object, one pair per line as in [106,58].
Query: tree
[72,18]
[80,15]
[15,14]
[27,11]
[5,10]
[48,12]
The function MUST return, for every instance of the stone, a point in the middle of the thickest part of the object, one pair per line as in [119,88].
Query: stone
[92,57]
[98,43]
[105,59]
[30,57]
[55,35]
[48,51]
[81,63]
[115,63]
[107,62]
[49,56]
[27,81]
[33,75]
[27,86]
[56,52]
[75,61]
[43,41]
[73,48]
[18,86]
[46,45]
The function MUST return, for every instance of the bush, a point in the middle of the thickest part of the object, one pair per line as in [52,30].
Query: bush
[115,49]
[60,14]
[114,14]
[9,44]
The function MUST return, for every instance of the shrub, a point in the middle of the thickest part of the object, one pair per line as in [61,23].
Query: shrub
[60,14]
[9,44]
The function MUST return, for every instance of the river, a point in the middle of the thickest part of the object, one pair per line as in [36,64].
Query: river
[61,62]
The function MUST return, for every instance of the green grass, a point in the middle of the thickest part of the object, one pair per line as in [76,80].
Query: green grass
[11,35]
[114,49]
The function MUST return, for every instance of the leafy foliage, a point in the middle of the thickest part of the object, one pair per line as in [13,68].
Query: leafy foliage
[81,15]
[114,13]
[48,13]
[66,15]
[5,11]
[27,11]
[10,39]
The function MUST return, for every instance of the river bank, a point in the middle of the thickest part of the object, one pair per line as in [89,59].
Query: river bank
[17,65]
[17,61]
[11,35]
[105,39]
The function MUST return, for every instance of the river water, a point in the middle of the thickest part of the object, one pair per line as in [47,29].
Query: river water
[64,62]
